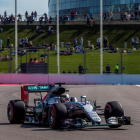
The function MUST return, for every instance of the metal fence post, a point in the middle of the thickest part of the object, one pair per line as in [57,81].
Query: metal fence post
[85,62]
[48,60]
[121,62]
[10,60]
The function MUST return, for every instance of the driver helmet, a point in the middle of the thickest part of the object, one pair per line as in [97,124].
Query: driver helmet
[65,97]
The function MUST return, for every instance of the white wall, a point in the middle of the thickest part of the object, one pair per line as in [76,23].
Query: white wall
[68,79]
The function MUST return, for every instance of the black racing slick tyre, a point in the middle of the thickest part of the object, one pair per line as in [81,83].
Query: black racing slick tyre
[16,112]
[56,114]
[113,109]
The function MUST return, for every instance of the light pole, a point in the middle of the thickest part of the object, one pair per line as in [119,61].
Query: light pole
[16,56]
[58,59]
[101,37]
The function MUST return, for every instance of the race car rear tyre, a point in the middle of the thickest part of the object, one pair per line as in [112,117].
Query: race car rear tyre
[16,112]
[113,109]
[56,114]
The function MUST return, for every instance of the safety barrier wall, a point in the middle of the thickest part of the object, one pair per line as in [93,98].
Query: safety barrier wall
[70,79]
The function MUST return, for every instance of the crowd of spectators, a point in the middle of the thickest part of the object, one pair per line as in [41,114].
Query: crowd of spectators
[108,15]
[131,16]
[36,61]
[73,16]
[5,57]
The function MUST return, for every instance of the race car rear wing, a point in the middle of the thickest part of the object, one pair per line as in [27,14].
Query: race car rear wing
[25,90]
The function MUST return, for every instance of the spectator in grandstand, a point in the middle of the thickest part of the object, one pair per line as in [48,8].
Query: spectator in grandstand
[75,42]
[10,46]
[38,30]
[32,15]
[91,15]
[50,30]
[26,15]
[45,19]
[139,13]
[85,16]
[19,17]
[23,42]
[136,43]
[51,44]
[76,15]
[111,47]
[108,15]
[44,45]
[35,60]
[132,17]
[8,42]
[5,14]
[88,21]
[105,42]
[20,45]
[91,22]
[40,20]
[122,16]
[50,20]
[31,60]
[92,46]
[1,57]
[80,69]
[1,30]
[81,41]
[26,41]
[72,15]
[37,45]
[42,60]
[111,16]
[128,16]
[108,69]
[72,49]
[53,47]
[136,13]
[133,42]
[117,69]
[98,41]
[6,57]
[35,15]
[104,15]
[64,18]
[79,49]
[97,46]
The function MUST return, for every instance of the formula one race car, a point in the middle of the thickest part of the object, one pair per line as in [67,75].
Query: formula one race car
[57,109]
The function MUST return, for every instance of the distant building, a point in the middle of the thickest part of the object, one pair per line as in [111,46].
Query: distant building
[93,6]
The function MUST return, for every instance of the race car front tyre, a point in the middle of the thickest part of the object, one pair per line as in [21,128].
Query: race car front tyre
[56,114]
[16,112]
[113,109]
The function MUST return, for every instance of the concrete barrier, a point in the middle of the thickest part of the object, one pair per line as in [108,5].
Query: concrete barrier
[70,79]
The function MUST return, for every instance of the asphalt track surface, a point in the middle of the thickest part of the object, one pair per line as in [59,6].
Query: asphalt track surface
[128,96]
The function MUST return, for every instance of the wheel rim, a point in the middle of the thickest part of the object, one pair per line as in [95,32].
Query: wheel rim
[10,112]
[51,117]
[107,113]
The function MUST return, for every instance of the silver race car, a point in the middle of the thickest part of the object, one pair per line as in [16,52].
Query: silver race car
[57,109]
